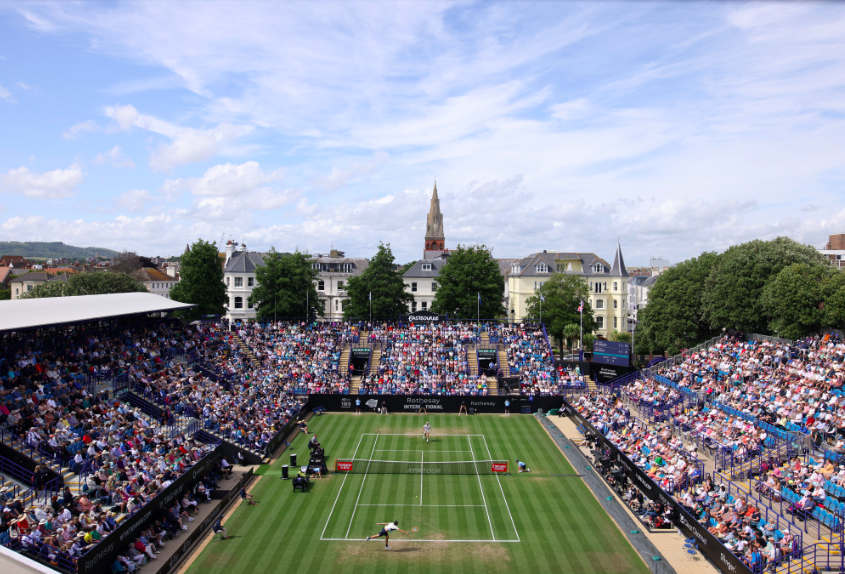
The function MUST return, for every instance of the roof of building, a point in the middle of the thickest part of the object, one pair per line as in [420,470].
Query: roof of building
[416,271]
[39,276]
[4,273]
[650,281]
[28,313]
[505,266]
[553,259]
[618,269]
[150,274]
[244,262]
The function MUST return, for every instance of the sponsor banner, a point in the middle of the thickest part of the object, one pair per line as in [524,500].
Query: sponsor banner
[487,353]
[344,466]
[100,558]
[500,467]
[708,544]
[423,317]
[604,373]
[435,404]
[198,533]
[361,352]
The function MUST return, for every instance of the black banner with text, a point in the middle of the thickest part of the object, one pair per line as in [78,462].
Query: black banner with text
[433,403]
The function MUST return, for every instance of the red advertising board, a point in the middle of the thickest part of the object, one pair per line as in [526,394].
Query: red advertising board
[500,467]
[344,466]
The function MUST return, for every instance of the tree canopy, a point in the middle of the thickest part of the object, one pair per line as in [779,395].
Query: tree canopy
[470,272]
[389,298]
[562,293]
[201,281]
[284,286]
[406,266]
[98,283]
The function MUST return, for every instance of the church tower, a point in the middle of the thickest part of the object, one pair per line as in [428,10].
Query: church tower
[435,240]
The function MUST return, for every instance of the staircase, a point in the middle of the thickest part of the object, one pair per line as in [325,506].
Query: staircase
[375,359]
[343,365]
[591,384]
[472,360]
[245,350]
[503,361]
[492,386]
[354,385]
[484,340]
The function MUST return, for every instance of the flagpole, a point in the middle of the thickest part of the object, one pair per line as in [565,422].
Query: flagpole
[478,311]
[581,339]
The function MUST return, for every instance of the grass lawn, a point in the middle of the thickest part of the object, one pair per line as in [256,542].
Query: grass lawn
[533,522]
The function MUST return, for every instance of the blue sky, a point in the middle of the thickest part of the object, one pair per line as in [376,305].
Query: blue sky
[677,127]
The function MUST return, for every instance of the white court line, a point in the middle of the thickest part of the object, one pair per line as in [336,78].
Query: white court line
[362,489]
[389,450]
[418,540]
[503,491]
[414,434]
[428,505]
[339,491]
[422,469]
[482,492]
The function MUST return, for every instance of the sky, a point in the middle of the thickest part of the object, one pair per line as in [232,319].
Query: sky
[674,128]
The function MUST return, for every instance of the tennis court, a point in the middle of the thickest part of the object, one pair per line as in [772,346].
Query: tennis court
[445,487]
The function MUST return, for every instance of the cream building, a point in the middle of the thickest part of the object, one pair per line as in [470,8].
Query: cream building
[157,282]
[608,284]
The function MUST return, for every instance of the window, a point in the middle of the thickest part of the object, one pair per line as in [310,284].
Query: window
[336,304]
[239,302]
[516,269]
[542,268]
[321,285]
[615,304]
[249,303]
[341,304]
[315,266]
[413,287]
[433,286]
[615,288]
[598,268]
[616,322]
[29,287]
[597,287]
[227,281]
[426,266]
[600,322]
[413,306]
[340,285]
[600,304]
[250,281]
[239,281]
[346,267]
[424,305]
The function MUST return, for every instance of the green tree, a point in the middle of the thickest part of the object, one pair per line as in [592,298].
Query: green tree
[201,281]
[674,317]
[5,294]
[389,298]
[795,300]
[571,332]
[834,300]
[619,337]
[470,272]
[99,283]
[404,268]
[589,339]
[733,292]
[285,286]
[562,293]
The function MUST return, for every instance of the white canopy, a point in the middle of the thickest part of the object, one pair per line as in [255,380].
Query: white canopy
[28,313]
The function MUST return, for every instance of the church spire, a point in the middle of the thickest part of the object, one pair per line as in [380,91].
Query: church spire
[435,238]
[618,269]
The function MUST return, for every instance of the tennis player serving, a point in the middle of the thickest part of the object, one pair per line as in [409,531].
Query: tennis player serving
[426,431]
[386,529]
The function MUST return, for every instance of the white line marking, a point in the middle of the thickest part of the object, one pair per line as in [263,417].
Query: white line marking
[339,491]
[362,489]
[409,435]
[482,492]
[422,472]
[389,450]
[503,492]
[428,505]
[418,540]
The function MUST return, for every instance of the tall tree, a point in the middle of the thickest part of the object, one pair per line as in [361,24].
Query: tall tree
[562,293]
[674,317]
[470,272]
[125,262]
[285,285]
[99,283]
[733,292]
[404,268]
[389,298]
[201,281]
[834,300]
[794,299]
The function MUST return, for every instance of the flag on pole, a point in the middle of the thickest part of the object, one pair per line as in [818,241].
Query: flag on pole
[479,298]
[581,307]
[543,299]
[371,295]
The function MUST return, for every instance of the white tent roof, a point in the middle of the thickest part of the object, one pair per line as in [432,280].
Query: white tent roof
[28,313]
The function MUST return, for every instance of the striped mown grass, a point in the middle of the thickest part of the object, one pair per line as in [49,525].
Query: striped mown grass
[560,525]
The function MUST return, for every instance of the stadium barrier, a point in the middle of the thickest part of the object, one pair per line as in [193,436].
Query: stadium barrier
[708,544]
[436,403]
[277,441]
[199,532]
[100,558]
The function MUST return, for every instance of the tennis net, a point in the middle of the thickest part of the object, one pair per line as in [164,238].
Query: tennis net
[364,466]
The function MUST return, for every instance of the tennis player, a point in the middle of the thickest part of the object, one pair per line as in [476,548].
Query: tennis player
[387,528]
[426,431]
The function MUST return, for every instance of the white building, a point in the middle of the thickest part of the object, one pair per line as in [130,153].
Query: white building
[157,282]
[421,281]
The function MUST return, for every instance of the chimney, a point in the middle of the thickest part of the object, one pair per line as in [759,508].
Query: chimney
[230,250]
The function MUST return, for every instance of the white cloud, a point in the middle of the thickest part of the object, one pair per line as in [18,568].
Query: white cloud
[226,180]
[6,95]
[54,184]
[192,145]
[358,170]
[77,130]
[134,201]
[124,116]
[115,157]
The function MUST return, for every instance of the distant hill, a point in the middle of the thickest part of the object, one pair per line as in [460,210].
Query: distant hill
[51,249]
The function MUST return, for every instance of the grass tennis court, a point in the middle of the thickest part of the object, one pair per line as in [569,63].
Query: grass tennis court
[546,521]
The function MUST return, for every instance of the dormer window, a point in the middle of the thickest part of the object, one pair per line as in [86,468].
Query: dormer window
[542,268]
[598,268]
[315,266]
[515,269]
[346,267]
[426,266]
